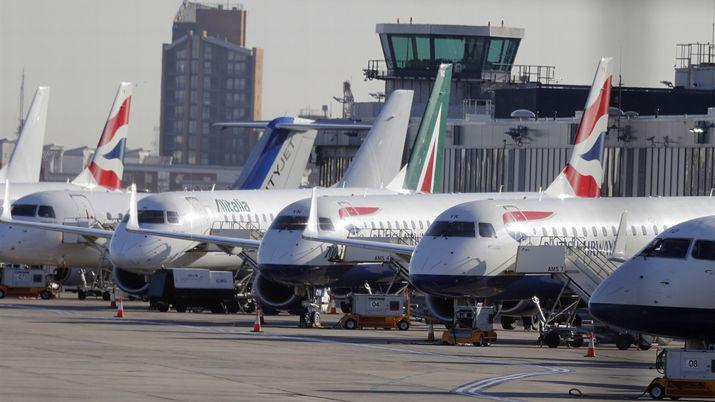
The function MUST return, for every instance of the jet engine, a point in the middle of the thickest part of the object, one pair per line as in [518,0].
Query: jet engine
[441,308]
[275,295]
[130,282]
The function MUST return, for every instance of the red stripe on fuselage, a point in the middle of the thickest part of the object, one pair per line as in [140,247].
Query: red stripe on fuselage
[594,112]
[356,211]
[522,216]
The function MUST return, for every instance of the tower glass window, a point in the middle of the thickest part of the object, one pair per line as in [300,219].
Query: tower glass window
[411,51]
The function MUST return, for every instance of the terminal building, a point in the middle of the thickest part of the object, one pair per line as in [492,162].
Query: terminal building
[659,141]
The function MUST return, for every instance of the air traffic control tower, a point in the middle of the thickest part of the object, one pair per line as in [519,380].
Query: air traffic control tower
[483,58]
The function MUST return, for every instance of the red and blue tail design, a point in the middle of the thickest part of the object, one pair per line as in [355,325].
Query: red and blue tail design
[107,166]
[583,175]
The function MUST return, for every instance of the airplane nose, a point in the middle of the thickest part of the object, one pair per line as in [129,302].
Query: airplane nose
[130,250]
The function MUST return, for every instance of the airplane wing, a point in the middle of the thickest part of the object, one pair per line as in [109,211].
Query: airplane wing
[367,244]
[78,230]
[296,126]
[217,240]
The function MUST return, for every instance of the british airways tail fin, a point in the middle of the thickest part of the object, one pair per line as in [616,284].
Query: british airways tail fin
[279,158]
[583,174]
[107,165]
[425,167]
[26,159]
[379,158]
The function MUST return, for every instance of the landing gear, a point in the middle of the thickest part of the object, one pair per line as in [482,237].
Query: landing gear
[508,322]
[624,341]
[81,294]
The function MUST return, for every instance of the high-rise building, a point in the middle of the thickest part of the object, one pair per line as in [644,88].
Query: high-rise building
[208,75]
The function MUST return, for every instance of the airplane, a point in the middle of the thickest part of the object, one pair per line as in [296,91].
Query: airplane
[420,173]
[372,237]
[666,288]
[198,210]
[26,159]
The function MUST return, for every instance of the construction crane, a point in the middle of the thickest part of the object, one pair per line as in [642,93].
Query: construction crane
[347,100]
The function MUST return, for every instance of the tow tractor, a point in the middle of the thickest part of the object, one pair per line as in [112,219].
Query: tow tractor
[377,311]
[686,373]
[24,282]
[473,325]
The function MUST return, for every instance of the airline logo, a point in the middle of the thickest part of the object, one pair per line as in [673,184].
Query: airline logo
[234,205]
[583,175]
[427,176]
[107,166]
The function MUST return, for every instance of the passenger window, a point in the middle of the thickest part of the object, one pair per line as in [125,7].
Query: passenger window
[414,227]
[643,229]
[584,231]
[389,225]
[543,230]
[404,223]
[573,231]
[47,211]
[614,230]
[604,231]
[554,232]
[655,229]
[264,218]
[372,225]
[595,232]
[421,227]
[667,248]
[633,230]
[381,225]
[704,250]
[257,219]
[172,216]
[23,210]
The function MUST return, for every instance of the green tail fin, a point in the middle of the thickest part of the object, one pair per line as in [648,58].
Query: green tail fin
[425,167]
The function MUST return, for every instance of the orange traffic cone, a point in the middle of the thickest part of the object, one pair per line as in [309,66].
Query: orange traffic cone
[120,308]
[257,322]
[333,309]
[430,332]
[591,352]
[113,298]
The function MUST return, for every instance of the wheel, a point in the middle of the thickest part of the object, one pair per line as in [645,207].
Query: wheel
[45,295]
[180,308]
[528,323]
[403,325]
[249,307]
[577,342]
[350,323]
[2,293]
[507,322]
[624,341]
[552,339]
[106,296]
[644,345]
[81,294]
[163,307]
[657,391]
[345,307]
[481,341]
[314,318]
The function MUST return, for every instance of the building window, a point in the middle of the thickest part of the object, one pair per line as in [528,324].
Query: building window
[411,51]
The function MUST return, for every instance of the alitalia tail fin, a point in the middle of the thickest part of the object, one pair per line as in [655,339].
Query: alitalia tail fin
[26,159]
[583,175]
[107,165]
[425,166]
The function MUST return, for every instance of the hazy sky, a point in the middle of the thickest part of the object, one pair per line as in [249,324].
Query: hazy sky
[82,49]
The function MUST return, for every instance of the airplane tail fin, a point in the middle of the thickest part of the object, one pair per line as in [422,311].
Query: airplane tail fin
[279,158]
[107,165]
[26,160]
[425,167]
[379,158]
[583,174]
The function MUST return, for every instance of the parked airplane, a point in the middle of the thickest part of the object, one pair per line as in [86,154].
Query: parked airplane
[667,287]
[238,211]
[376,234]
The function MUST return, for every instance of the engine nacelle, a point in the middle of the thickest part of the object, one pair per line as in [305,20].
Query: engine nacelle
[441,308]
[518,308]
[130,282]
[68,276]
[275,295]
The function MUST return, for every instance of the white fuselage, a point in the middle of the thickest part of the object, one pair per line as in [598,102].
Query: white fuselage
[24,245]
[287,257]
[667,288]
[472,264]
[237,213]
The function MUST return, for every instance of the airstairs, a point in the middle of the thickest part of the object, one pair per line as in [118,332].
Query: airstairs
[581,265]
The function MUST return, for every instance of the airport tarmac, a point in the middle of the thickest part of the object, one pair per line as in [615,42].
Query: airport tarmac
[65,349]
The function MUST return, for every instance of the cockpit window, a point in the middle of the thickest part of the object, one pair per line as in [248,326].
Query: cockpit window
[486,230]
[451,229]
[326,224]
[704,250]
[172,216]
[289,222]
[46,211]
[667,248]
[23,210]
[151,216]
